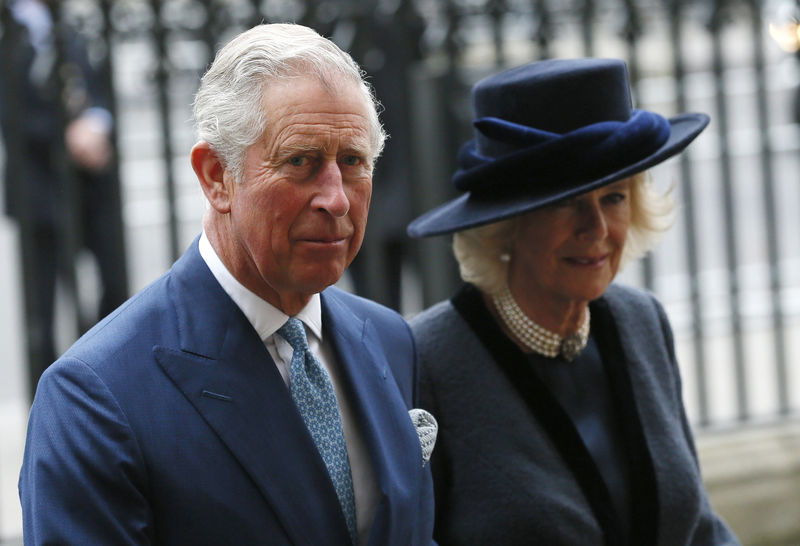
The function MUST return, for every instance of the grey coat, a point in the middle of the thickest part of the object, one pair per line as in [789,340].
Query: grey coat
[508,465]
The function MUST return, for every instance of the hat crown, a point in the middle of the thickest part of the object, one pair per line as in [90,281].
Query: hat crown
[550,130]
[557,95]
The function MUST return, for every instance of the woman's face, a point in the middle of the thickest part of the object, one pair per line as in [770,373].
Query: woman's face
[569,252]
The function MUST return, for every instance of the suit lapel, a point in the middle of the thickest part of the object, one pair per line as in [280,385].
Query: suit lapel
[224,370]
[619,367]
[382,415]
[671,462]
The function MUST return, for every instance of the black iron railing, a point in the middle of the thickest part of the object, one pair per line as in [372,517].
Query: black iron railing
[423,56]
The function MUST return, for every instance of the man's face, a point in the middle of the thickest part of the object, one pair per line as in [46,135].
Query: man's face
[298,215]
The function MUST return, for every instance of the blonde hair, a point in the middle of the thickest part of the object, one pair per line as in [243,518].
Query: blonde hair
[482,252]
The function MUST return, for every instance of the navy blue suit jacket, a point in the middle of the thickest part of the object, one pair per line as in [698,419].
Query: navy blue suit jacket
[169,423]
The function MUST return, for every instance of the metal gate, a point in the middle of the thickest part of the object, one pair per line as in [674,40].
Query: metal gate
[728,273]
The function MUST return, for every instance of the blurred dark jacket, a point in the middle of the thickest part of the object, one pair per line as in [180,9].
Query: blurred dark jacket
[33,116]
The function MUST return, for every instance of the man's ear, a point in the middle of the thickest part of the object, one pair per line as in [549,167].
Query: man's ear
[211,173]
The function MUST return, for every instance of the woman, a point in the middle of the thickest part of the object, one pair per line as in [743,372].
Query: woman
[557,394]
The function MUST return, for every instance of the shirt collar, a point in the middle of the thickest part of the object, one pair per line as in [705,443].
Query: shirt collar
[265,317]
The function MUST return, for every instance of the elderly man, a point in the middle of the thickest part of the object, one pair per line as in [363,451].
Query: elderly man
[204,410]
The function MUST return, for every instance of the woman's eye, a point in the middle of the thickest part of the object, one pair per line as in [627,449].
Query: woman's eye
[616,197]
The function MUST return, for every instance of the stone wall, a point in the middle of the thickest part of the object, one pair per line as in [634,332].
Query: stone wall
[753,478]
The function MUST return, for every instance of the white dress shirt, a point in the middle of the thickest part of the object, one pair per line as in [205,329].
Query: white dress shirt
[266,319]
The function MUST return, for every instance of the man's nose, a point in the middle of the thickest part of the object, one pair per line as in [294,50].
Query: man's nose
[331,196]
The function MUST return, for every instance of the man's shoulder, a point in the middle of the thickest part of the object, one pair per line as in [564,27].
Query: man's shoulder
[386,329]
[360,306]
[149,316]
[141,321]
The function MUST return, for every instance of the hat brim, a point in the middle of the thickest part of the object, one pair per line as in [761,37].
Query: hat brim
[471,210]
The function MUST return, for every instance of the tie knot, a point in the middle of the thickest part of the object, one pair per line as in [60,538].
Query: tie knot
[294,332]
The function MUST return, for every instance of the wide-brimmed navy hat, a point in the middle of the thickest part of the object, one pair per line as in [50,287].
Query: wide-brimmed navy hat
[550,130]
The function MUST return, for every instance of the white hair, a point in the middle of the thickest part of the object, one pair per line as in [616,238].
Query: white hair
[482,252]
[228,109]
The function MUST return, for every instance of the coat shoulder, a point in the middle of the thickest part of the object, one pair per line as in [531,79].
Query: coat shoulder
[443,339]
[145,315]
[637,310]
[621,296]
[364,308]
[438,324]
[390,326]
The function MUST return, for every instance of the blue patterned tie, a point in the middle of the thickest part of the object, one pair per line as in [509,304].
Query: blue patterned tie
[312,392]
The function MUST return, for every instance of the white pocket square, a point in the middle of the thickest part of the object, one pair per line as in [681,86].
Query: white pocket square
[426,430]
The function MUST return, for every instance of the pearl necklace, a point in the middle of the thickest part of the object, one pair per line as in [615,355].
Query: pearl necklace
[534,337]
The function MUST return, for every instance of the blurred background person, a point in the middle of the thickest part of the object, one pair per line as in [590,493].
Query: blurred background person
[557,393]
[59,177]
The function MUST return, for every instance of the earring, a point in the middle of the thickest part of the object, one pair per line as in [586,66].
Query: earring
[505,257]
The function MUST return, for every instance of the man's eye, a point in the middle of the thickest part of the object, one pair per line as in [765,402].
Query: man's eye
[352,160]
[298,161]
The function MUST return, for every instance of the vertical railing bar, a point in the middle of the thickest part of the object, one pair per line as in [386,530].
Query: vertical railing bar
[68,235]
[162,82]
[308,17]
[496,10]
[18,193]
[107,72]
[542,31]
[726,175]
[451,92]
[453,53]
[208,35]
[587,29]
[632,30]
[770,210]
[692,260]
[258,18]
[116,197]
